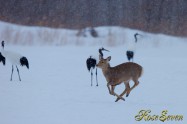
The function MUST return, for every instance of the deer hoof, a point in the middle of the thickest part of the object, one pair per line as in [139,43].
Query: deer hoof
[123,99]
[111,93]
[119,99]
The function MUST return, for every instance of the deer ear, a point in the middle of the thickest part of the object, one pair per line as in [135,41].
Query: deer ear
[109,58]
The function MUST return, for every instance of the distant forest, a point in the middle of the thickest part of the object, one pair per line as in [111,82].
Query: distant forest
[158,16]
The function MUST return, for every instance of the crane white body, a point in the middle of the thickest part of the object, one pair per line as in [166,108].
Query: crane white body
[12,57]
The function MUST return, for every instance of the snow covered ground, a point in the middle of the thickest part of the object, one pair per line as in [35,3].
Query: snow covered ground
[56,89]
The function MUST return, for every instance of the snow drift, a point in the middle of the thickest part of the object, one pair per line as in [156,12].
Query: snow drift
[108,36]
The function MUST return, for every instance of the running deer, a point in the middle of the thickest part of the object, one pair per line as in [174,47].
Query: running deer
[122,73]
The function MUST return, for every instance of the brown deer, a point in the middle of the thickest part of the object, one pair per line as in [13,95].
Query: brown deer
[119,74]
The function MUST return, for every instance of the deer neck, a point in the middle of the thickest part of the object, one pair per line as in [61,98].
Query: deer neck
[106,69]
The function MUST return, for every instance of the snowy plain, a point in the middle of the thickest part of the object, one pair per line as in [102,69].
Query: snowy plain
[56,89]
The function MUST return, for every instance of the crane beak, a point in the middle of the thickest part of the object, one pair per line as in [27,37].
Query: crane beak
[106,50]
[140,34]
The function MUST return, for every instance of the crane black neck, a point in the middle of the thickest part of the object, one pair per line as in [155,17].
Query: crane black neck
[135,36]
[100,52]
[3,44]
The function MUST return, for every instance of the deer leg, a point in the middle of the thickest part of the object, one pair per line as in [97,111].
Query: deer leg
[112,90]
[136,82]
[119,97]
[12,73]
[128,89]
[115,94]
[126,85]
[108,85]
[96,77]
[18,73]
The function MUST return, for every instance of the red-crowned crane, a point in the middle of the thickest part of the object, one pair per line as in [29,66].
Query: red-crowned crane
[131,49]
[91,64]
[14,58]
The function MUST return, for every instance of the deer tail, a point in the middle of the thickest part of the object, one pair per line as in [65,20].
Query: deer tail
[141,73]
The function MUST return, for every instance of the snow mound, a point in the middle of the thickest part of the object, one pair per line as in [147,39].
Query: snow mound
[108,36]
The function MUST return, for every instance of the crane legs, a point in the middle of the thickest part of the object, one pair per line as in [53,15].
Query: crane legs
[13,71]
[92,77]
[96,77]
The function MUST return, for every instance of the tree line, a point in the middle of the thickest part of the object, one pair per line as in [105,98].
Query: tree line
[159,16]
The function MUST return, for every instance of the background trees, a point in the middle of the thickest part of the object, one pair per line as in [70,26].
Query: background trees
[160,16]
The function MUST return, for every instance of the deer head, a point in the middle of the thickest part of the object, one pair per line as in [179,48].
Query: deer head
[103,63]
